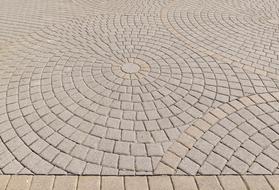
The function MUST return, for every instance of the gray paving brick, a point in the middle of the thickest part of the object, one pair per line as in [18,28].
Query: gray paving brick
[127,162]
[110,160]
[143,164]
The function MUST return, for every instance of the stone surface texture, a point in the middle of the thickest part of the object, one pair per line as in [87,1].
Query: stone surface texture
[139,87]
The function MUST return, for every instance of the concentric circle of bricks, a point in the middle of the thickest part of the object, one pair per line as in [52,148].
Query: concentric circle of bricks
[267,8]
[111,87]
[74,105]
[229,32]
[19,19]
[239,137]
[124,6]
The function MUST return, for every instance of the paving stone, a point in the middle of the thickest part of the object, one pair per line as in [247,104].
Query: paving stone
[110,160]
[256,182]
[122,148]
[127,162]
[136,183]
[4,180]
[208,182]
[273,181]
[42,182]
[19,183]
[65,183]
[181,182]
[189,166]
[92,169]
[143,164]
[89,85]
[76,166]
[94,156]
[162,183]
[88,183]
[110,183]
[232,183]
[138,149]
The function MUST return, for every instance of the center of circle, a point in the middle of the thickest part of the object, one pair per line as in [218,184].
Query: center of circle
[130,68]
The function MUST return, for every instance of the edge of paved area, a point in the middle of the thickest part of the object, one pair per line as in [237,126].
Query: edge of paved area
[223,182]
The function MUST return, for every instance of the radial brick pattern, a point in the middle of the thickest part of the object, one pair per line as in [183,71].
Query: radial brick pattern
[126,87]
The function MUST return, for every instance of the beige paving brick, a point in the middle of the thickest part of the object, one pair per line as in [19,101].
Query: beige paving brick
[19,183]
[42,183]
[112,183]
[89,183]
[4,179]
[257,183]
[273,181]
[160,183]
[65,183]
[208,182]
[136,183]
[184,182]
[232,183]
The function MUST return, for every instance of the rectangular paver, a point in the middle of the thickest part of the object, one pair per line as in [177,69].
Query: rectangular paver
[182,183]
[257,183]
[208,182]
[65,183]
[4,179]
[232,183]
[89,183]
[42,183]
[19,183]
[112,183]
[160,183]
[136,183]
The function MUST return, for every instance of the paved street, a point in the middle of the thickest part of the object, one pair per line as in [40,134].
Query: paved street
[140,87]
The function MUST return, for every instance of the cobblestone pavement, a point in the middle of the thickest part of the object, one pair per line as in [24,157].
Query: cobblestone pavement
[140,87]
[139,182]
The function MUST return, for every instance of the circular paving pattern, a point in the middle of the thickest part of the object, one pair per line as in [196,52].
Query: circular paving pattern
[111,102]
[142,88]
[240,137]
[247,40]
[124,6]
